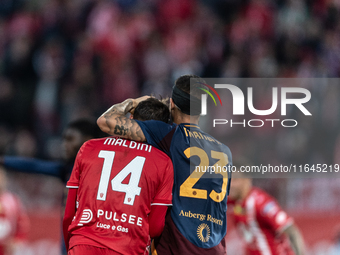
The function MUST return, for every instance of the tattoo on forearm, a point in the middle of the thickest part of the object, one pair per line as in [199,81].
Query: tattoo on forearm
[120,130]
[122,108]
[120,125]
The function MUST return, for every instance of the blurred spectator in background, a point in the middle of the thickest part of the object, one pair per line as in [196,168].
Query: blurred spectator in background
[65,59]
[76,133]
[14,223]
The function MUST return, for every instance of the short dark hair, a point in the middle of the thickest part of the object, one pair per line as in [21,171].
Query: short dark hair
[183,83]
[152,109]
[86,127]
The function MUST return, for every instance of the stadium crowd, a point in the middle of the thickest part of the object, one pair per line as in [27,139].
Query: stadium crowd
[65,59]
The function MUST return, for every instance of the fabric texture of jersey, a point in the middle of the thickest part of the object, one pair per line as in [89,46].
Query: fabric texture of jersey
[199,198]
[261,221]
[90,250]
[118,182]
[171,237]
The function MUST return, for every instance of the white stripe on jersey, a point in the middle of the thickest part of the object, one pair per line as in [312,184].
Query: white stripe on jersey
[161,204]
[260,238]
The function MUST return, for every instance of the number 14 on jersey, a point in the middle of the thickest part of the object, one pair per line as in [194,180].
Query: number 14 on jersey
[131,189]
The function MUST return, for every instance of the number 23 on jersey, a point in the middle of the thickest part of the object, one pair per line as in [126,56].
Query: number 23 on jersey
[187,190]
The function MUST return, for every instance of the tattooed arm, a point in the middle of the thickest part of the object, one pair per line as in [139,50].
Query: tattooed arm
[114,121]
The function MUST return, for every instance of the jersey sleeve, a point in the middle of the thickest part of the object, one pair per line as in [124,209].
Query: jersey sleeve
[70,210]
[271,213]
[157,220]
[32,165]
[164,192]
[158,133]
[73,182]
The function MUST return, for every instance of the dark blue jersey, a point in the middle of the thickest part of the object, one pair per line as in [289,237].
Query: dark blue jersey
[201,179]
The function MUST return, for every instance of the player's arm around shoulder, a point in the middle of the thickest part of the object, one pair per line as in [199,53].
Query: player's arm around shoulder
[275,216]
[114,121]
[296,239]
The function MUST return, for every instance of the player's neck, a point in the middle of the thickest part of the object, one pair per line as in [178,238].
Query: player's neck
[184,118]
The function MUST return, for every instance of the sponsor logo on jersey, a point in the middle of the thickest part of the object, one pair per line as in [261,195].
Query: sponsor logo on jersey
[86,217]
[203,232]
[201,217]
[270,209]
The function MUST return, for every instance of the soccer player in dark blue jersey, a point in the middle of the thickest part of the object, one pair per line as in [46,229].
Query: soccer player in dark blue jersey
[197,221]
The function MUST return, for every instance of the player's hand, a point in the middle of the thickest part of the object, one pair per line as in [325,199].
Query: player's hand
[136,101]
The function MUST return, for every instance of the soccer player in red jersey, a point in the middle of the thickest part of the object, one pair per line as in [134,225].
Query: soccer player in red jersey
[119,192]
[263,225]
[14,222]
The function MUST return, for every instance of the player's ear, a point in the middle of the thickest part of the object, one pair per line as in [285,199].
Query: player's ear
[131,116]
[172,104]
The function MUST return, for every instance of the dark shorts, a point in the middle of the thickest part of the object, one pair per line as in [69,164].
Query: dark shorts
[173,242]
[84,249]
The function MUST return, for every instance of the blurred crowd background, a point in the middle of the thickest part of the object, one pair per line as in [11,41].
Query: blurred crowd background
[62,60]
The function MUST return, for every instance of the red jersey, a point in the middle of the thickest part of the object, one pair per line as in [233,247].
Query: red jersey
[260,220]
[118,180]
[13,221]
